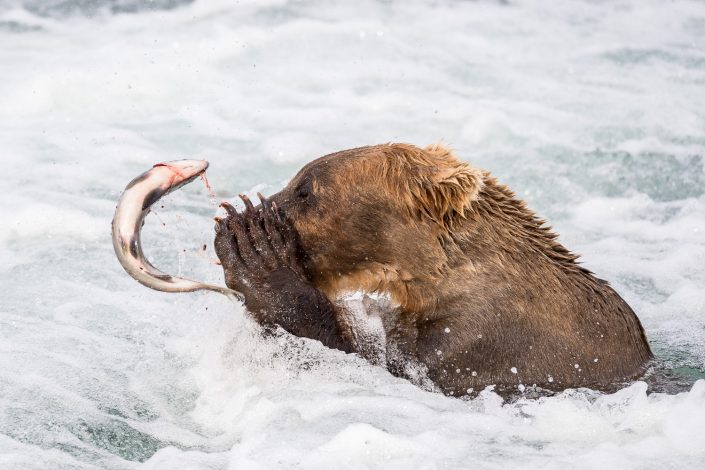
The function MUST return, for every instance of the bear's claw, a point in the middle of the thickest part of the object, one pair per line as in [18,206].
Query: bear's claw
[254,243]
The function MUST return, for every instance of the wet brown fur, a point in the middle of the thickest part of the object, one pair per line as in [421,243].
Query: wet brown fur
[485,293]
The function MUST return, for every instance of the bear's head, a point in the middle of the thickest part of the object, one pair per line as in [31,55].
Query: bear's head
[378,218]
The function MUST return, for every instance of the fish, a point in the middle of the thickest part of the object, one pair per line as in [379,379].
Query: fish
[132,208]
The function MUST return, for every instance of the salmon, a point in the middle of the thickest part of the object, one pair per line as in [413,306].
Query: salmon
[132,208]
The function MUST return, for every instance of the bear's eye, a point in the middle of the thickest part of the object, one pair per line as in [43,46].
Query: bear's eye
[303,191]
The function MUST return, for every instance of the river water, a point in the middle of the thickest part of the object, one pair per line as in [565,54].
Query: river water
[592,111]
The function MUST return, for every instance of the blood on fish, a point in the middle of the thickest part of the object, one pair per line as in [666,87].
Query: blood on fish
[211,194]
[205,181]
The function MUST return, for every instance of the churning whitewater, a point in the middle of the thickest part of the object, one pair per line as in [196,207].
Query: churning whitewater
[591,111]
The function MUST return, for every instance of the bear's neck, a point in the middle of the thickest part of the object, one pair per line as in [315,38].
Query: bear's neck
[502,225]
[499,244]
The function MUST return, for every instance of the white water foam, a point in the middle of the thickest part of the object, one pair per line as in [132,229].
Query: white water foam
[591,111]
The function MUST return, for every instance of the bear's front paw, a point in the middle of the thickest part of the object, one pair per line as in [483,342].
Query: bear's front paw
[251,247]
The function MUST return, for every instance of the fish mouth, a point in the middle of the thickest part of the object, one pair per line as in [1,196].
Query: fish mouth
[182,172]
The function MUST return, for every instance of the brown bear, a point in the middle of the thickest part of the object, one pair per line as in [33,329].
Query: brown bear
[478,291]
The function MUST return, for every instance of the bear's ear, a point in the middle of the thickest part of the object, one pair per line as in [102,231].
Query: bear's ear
[443,186]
